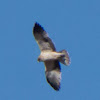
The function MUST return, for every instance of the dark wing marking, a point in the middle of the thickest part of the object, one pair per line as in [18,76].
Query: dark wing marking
[44,42]
[53,73]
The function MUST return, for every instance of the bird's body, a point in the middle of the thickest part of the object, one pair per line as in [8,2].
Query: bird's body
[50,57]
[47,56]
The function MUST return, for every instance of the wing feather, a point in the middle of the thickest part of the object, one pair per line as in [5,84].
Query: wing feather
[53,73]
[42,38]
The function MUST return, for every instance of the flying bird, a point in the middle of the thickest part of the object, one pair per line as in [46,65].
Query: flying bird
[50,56]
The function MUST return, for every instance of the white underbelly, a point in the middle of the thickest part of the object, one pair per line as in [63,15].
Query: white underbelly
[50,55]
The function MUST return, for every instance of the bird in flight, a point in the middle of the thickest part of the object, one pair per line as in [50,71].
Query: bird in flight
[50,56]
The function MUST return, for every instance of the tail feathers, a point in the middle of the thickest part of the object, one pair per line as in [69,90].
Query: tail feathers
[65,59]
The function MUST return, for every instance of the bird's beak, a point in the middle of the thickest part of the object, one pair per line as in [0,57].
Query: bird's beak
[38,60]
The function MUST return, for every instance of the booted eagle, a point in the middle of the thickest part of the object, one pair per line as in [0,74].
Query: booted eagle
[50,56]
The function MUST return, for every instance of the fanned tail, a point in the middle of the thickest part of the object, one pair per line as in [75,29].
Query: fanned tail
[65,59]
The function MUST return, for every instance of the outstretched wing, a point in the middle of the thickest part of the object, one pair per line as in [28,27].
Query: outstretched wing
[53,73]
[44,42]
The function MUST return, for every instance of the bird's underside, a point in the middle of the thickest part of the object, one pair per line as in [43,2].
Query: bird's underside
[50,57]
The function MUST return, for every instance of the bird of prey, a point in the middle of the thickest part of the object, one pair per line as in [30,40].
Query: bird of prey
[50,56]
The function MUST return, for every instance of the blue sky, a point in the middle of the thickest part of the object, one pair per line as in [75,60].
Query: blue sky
[73,25]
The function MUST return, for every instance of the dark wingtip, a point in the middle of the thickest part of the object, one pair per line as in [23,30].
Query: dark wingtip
[54,86]
[37,28]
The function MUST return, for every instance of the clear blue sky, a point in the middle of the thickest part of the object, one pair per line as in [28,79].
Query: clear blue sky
[73,25]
